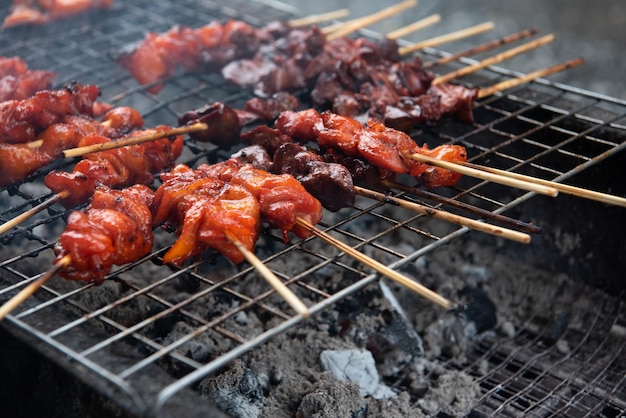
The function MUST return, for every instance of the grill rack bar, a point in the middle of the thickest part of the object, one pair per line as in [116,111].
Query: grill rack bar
[154,107]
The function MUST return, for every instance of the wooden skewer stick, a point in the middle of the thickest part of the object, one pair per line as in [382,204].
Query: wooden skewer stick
[450,37]
[356,24]
[32,211]
[414,27]
[25,293]
[563,188]
[487,46]
[379,267]
[472,172]
[319,18]
[514,82]
[502,56]
[270,277]
[88,149]
[478,211]
[122,142]
[446,216]
[80,151]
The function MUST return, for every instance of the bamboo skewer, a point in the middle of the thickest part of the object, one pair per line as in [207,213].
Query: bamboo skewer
[495,178]
[123,142]
[377,266]
[28,291]
[483,213]
[89,149]
[356,24]
[450,37]
[32,211]
[266,273]
[319,18]
[446,216]
[563,188]
[487,46]
[270,277]
[514,82]
[414,27]
[502,56]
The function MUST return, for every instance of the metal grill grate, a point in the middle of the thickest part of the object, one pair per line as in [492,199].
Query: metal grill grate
[116,334]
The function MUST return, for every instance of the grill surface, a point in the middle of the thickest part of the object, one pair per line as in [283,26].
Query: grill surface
[113,335]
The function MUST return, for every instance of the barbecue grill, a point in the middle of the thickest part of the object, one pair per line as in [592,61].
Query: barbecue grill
[153,340]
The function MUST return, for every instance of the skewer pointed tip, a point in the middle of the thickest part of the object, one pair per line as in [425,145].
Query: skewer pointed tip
[28,291]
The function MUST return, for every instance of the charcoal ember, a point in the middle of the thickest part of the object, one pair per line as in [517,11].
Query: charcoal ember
[452,394]
[452,334]
[478,308]
[238,392]
[333,400]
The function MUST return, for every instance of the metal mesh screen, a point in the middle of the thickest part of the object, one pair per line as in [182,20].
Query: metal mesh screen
[115,333]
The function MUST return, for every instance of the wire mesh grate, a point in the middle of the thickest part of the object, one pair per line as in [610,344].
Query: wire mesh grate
[148,316]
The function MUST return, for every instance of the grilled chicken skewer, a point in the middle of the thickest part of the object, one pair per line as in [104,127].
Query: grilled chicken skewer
[23,159]
[116,228]
[111,163]
[284,203]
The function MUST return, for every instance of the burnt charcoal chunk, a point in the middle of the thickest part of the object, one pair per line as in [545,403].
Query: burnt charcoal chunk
[478,309]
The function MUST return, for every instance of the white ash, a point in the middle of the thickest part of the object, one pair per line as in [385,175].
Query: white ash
[356,366]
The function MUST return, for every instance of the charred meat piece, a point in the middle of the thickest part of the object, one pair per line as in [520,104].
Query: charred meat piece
[223,122]
[373,142]
[330,183]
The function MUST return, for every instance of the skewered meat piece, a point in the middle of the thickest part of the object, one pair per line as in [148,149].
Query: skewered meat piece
[268,138]
[209,47]
[255,155]
[22,120]
[223,122]
[121,167]
[267,110]
[374,142]
[116,228]
[282,198]
[265,143]
[330,183]
[280,65]
[17,82]
[205,209]
[22,160]
[35,12]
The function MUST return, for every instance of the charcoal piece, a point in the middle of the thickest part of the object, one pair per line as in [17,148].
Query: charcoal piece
[478,308]
[333,400]
[237,391]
